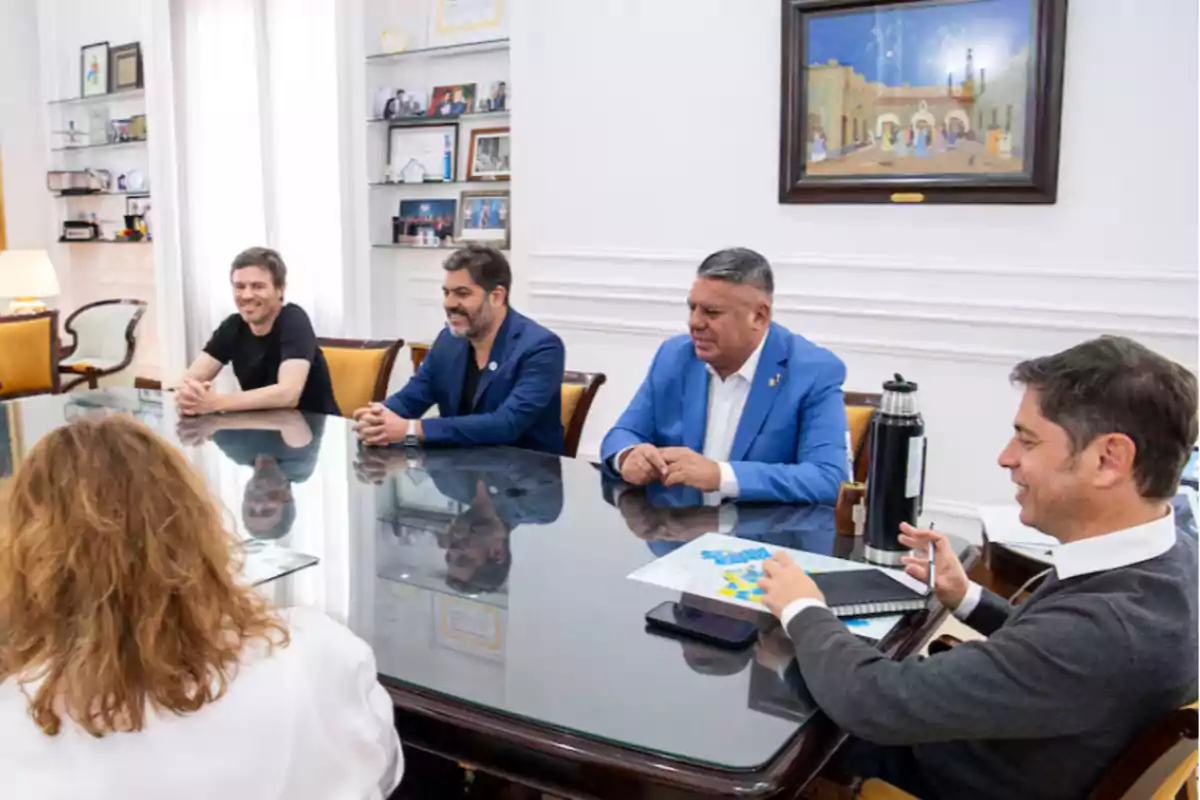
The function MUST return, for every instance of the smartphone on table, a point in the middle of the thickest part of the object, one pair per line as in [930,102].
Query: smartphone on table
[715,629]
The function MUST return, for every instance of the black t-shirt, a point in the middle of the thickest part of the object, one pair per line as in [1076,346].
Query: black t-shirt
[470,383]
[256,359]
[297,463]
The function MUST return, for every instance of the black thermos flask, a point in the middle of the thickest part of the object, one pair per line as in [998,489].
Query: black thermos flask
[896,471]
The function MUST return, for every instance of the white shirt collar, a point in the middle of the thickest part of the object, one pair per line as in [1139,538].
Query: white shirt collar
[747,369]
[1118,549]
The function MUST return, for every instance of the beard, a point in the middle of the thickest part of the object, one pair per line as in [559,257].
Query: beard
[476,324]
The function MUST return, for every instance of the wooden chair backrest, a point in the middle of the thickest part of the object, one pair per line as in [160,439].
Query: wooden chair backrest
[579,390]
[359,370]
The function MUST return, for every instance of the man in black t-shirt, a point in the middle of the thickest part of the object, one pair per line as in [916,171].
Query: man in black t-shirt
[281,446]
[271,344]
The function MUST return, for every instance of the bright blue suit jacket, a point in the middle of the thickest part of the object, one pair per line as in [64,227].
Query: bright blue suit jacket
[790,444]
[518,403]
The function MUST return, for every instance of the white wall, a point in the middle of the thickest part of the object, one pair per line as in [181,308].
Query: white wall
[647,136]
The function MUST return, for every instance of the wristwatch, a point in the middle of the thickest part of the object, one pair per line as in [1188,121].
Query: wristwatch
[411,440]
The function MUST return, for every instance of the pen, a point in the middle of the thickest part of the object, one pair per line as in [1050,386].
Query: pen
[932,550]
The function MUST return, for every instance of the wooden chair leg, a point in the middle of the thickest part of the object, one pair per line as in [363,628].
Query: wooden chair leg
[1188,792]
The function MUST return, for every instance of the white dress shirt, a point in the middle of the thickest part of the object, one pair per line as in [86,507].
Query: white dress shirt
[307,722]
[726,402]
[1114,550]
[1097,554]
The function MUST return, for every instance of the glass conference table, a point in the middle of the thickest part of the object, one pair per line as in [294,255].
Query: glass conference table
[492,585]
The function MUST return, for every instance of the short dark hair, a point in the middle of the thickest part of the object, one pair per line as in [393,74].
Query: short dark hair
[739,265]
[487,267]
[263,257]
[489,576]
[1116,385]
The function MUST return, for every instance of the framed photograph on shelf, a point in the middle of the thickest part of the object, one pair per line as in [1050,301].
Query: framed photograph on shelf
[452,101]
[137,205]
[457,22]
[425,223]
[93,69]
[943,101]
[496,99]
[422,153]
[490,155]
[486,218]
[125,67]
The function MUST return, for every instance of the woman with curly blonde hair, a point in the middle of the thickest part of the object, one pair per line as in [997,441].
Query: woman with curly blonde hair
[133,663]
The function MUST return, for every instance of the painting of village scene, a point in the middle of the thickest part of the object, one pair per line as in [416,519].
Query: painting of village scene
[919,89]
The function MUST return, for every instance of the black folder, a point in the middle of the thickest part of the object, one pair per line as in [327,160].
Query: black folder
[866,593]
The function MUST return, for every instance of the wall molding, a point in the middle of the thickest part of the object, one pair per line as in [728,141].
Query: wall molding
[935,350]
[874,264]
[659,293]
[859,307]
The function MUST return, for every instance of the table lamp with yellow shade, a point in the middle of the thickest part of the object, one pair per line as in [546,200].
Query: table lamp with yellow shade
[27,277]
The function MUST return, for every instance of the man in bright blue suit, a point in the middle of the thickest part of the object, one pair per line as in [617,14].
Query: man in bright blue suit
[494,374]
[742,408]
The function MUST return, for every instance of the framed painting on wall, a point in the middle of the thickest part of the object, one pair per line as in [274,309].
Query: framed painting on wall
[909,101]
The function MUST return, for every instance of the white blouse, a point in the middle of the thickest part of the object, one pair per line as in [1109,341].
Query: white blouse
[308,721]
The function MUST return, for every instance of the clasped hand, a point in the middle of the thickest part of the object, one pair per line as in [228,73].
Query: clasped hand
[671,466]
[379,426]
[196,398]
[650,522]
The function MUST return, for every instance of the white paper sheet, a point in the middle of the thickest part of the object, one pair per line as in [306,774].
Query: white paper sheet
[1003,526]
[690,570]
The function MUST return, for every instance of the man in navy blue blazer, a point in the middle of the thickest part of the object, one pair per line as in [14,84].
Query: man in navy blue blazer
[495,375]
[740,408]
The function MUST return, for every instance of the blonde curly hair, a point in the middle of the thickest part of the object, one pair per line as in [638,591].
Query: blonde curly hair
[117,582]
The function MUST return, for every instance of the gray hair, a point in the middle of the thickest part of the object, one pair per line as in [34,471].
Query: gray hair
[739,265]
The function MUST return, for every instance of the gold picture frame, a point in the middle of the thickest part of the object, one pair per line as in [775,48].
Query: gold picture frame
[460,22]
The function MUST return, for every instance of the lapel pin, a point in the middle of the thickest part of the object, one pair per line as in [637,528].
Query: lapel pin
[774,381]
[492,366]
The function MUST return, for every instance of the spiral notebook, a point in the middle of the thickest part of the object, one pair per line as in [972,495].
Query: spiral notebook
[866,593]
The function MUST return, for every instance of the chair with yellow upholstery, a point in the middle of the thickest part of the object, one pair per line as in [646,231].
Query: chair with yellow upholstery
[359,370]
[29,355]
[1160,764]
[578,391]
[860,410]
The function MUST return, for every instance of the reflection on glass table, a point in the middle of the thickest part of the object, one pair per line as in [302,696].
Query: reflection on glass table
[465,549]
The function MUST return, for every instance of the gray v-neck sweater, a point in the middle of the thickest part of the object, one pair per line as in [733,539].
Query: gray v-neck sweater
[1042,708]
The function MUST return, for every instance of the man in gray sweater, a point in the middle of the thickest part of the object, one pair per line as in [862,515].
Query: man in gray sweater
[1103,648]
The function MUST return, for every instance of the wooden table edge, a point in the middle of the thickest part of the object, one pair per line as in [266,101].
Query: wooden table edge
[791,769]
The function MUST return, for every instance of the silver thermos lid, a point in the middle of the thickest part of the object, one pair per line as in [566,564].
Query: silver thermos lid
[899,398]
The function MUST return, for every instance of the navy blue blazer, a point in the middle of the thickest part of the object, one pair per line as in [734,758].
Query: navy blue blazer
[519,403]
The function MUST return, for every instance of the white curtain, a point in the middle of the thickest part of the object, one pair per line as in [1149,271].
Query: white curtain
[257,122]
[260,146]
